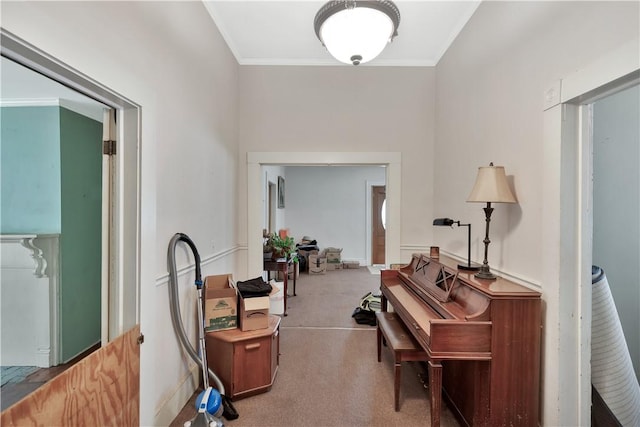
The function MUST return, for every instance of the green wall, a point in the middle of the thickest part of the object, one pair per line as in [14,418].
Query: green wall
[80,241]
[51,161]
[30,170]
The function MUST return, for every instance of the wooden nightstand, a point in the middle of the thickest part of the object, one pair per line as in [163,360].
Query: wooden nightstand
[245,362]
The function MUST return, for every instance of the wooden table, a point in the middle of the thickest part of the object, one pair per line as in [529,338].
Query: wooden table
[281,264]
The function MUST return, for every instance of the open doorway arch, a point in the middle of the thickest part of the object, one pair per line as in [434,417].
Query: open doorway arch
[121,310]
[392,161]
[566,237]
[121,298]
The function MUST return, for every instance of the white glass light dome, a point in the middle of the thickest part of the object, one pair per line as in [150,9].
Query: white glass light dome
[355,32]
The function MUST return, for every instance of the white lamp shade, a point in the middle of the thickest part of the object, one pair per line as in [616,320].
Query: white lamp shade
[359,31]
[491,186]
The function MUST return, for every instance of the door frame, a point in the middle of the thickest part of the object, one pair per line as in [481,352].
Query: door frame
[121,310]
[567,235]
[369,211]
[369,231]
[255,161]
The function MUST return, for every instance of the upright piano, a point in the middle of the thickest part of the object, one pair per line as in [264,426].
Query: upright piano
[482,338]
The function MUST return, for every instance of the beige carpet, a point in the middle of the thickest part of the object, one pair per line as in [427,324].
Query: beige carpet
[329,374]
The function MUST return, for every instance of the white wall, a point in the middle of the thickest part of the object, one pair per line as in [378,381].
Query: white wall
[169,58]
[329,204]
[337,109]
[616,206]
[489,106]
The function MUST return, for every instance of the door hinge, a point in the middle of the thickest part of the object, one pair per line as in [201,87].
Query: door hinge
[140,339]
[109,147]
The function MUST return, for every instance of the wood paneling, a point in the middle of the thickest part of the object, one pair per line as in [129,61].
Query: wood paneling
[101,390]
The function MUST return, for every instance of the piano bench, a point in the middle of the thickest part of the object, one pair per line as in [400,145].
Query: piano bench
[405,348]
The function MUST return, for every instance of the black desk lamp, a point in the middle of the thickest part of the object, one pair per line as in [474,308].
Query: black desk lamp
[449,222]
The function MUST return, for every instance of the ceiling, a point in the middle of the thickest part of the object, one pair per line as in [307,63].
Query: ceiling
[263,32]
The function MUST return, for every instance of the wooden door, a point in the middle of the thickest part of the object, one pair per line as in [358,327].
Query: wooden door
[378,196]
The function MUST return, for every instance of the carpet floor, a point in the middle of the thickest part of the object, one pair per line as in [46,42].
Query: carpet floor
[328,373]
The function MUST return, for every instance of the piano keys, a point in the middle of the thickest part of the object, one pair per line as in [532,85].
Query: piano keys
[482,338]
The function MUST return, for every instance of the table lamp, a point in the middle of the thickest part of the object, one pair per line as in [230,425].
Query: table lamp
[491,187]
[448,221]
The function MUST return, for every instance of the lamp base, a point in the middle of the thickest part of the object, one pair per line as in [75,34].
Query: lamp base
[485,274]
[469,267]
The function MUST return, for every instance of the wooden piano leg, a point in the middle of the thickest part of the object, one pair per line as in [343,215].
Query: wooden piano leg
[379,337]
[396,385]
[435,384]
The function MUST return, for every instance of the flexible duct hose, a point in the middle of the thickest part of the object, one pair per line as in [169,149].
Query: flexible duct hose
[176,317]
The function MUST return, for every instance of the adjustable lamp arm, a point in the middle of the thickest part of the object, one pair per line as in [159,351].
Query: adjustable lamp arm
[450,222]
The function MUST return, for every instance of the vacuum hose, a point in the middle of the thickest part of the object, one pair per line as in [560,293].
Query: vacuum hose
[229,411]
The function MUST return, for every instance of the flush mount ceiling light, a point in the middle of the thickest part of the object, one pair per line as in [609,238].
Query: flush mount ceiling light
[355,31]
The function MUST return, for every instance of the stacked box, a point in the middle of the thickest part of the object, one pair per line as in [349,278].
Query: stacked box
[253,312]
[351,264]
[306,254]
[332,254]
[334,258]
[220,303]
[317,264]
[334,266]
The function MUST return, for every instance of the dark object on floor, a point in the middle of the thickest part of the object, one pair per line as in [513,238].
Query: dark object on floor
[364,317]
[371,302]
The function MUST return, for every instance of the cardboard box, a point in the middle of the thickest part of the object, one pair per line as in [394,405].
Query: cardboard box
[332,254]
[220,303]
[253,313]
[317,265]
[306,254]
[334,266]
[350,264]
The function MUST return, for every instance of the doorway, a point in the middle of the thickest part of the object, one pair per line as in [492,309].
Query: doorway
[378,224]
[53,194]
[272,203]
[615,350]
[255,189]
[567,214]
[114,278]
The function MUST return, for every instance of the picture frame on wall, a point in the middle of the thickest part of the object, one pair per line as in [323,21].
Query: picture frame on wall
[280,192]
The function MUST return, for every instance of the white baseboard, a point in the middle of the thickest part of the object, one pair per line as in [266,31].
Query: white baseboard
[169,409]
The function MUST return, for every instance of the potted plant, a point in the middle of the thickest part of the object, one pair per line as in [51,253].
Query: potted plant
[280,247]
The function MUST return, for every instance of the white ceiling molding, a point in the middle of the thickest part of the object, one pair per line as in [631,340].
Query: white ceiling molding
[264,32]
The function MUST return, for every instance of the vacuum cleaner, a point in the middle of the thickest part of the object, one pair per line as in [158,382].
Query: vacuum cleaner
[210,403]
